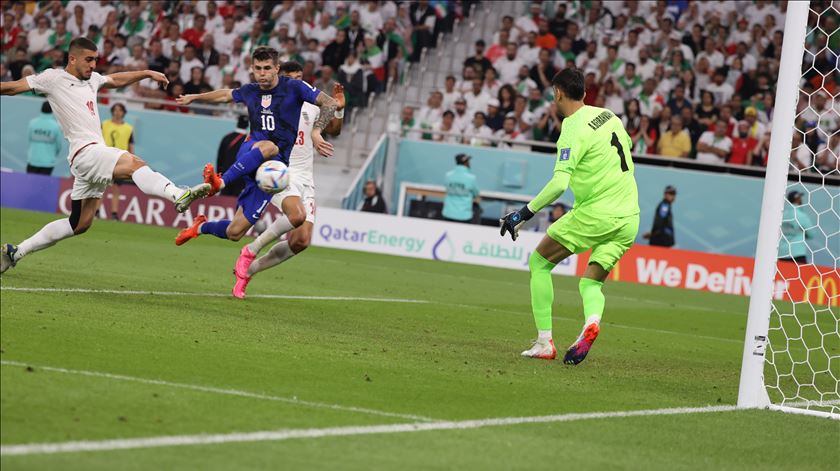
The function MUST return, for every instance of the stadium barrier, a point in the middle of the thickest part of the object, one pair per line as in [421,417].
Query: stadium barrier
[449,241]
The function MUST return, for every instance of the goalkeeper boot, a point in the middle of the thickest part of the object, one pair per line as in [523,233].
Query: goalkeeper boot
[543,349]
[7,257]
[191,194]
[213,179]
[191,232]
[578,350]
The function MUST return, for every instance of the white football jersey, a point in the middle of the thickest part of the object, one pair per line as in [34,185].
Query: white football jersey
[73,102]
[300,160]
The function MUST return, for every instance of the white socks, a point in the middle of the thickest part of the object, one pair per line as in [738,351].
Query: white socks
[155,184]
[280,226]
[46,237]
[277,255]
[544,335]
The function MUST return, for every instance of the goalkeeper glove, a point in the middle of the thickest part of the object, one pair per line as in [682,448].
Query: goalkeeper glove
[512,221]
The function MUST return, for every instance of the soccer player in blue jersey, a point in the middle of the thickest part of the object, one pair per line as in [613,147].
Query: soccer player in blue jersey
[274,105]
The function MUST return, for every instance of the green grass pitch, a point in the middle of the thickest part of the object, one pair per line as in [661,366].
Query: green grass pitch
[452,357]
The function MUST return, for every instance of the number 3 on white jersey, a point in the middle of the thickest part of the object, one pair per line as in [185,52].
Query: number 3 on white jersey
[267,122]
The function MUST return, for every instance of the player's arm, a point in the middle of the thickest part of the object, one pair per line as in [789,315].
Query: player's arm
[568,153]
[334,126]
[123,79]
[14,88]
[223,95]
[328,106]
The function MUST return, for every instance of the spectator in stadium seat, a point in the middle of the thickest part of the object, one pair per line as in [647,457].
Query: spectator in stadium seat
[462,118]
[195,35]
[545,38]
[523,115]
[547,128]
[477,98]
[801,156]
[461,191]
[631,115]
[512,33]
[721,90]
[612,98]
[650,101]
[507,97]
[336,51]
[662,232]
[45,141]
[208,54]
[528,23]
[589,59]
[446,125]
[678,100]
[529,52]
[544,71]
[644,138]
[557,25]
[760,153]
[706,112]
[676,141]
[408,124]
[755,127]
[188,62]
[509,65]
[450,94]
[423,19]
[478,132]
[351,74]
[39,38]
[491,82]
[742,145]
[495,119]
[796,220]
[692,127]
[355,33]
[431,113]
[591,87]
[728,118]
[326,81]
[393,47]
[523,81]
[478,61]
[828,154]
[196,82]
[373,199]
[228,149]
[511,134]
[714,146]
[629,83]
[224,37]
[498,49]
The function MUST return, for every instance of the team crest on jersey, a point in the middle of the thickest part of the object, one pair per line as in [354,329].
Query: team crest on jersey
[305,117]
[266,101]
[565,153]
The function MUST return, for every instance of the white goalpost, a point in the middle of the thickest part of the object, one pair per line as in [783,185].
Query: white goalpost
[791,358]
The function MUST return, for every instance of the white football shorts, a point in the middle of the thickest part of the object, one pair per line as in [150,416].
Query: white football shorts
[93,170]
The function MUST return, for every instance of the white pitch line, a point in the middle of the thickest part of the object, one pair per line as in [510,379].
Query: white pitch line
[227,392]
[279,435]
[215,295]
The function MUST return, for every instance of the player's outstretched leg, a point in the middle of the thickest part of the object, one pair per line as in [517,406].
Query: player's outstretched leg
[542,296]
[294,243]
[81,217]
[153,183]
[593,308]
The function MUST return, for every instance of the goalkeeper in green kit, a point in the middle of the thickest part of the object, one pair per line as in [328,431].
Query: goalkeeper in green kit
[593,159]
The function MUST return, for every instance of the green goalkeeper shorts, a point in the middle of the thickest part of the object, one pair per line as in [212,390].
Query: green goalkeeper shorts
[608,238]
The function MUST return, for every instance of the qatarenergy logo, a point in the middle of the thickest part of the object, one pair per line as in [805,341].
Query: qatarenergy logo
[371,237]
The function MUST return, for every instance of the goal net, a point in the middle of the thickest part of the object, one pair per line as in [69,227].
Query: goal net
[792,350]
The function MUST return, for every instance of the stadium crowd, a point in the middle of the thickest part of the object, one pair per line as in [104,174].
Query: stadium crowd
[204,45]
[690,79]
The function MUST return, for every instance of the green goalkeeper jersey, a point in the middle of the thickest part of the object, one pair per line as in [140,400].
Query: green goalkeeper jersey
[594,149]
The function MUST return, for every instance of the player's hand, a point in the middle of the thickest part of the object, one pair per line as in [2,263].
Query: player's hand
[322,146]
[338,94]
[512,221]
[158,77]
[185,100]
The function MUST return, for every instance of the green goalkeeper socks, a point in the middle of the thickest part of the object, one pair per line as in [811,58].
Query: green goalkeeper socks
[593,299]
[542,290]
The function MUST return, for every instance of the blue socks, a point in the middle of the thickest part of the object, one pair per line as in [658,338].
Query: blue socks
[217,228]
[244,165]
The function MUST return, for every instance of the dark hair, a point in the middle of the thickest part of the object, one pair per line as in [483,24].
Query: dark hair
[46,108]
[82,43]
[448,112]
[264,53]
[480,42]
[290,66]
[483,116]
[118,105]
[570,81]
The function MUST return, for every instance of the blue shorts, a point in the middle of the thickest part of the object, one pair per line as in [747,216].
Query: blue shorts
[253,201]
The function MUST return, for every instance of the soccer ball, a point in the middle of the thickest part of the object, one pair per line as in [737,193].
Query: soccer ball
[273,176]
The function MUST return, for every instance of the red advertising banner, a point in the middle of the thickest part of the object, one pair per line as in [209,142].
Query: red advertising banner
[140,208]
[721,274]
